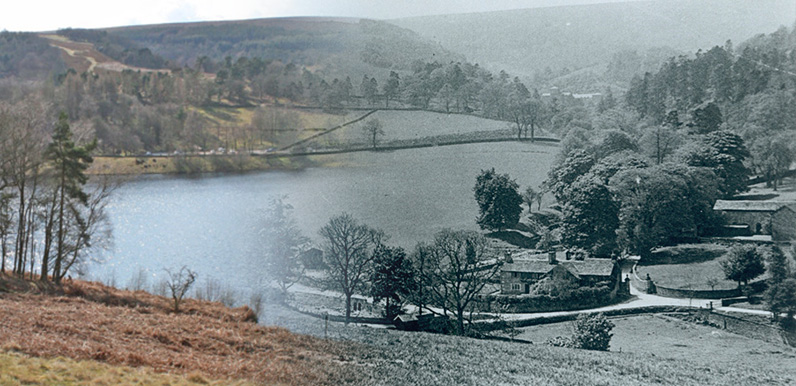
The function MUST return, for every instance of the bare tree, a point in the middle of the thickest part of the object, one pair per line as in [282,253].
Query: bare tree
[22,140]
[462,264]
[178,284]
[90,228]
[347,246]
[372,129]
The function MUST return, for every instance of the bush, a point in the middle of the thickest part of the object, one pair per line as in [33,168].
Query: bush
[559,341]
[592,332]
[178,285]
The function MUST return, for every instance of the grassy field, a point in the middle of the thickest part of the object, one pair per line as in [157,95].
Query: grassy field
[688,266]
[655,350]
[414,125]
[667,338]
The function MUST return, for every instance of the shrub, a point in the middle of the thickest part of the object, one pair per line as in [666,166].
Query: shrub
[178,284]
[592,332]
[559,341]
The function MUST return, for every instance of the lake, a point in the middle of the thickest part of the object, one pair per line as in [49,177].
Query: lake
[211,223]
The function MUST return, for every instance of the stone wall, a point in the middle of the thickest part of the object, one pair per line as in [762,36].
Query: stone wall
[783,225]
[752,219]
[696,294]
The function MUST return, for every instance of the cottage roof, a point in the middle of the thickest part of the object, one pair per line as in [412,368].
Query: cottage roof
[591,267]
[530,266]
[587,267]
[406,318]
[752,206]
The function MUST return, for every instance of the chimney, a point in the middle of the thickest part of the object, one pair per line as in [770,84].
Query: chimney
[551,257]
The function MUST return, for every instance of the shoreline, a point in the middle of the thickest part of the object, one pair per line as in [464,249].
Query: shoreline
[249,162]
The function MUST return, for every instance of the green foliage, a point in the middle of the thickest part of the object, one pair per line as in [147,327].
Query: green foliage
[781,297]
[562,175]
[777,263]
[743,263]
[592,332]
[589,207]
[615,141]
[498,200]
[662,203]
[283,244]
[590,217]
[69,162]
[723,152]
[392,279]
[560,341]
[705,118]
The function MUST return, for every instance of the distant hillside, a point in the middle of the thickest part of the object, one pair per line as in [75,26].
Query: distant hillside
[27,56]
[336,47]
[527,41]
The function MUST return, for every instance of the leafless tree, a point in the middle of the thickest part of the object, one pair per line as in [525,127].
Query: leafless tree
[178,284]
[462,264]
[372,129]
[347,253]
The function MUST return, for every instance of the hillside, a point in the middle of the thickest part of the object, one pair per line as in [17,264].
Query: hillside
[528,41]
[89,321]
[208,342]
[334,46]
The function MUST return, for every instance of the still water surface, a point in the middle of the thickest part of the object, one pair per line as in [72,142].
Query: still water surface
[211,224]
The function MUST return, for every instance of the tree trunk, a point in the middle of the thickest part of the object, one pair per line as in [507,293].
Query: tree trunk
[48,238]
[460,321]
[347,308]
[60,255]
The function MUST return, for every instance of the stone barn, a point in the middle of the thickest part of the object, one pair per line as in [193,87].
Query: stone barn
[769,218]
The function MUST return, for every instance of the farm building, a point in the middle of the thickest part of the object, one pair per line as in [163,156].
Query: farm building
[527,268]
[772,218]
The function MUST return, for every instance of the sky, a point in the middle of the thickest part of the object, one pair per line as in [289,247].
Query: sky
[49,15]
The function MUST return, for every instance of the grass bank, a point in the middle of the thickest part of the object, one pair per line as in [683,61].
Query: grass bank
[21,369]
[88,321]
[688,266]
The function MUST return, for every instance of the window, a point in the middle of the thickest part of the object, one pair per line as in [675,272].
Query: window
[516,287]
[515,274]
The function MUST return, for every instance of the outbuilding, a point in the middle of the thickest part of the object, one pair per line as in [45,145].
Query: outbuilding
[772,218]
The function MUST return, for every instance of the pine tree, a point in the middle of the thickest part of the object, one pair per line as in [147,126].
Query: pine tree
[69,163]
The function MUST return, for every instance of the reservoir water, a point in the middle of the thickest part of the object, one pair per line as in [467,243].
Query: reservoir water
[211,223]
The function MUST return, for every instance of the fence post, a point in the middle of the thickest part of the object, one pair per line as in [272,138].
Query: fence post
[325,325]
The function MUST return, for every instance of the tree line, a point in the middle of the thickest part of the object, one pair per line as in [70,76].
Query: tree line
[748,90]
[448,273]
[50,218]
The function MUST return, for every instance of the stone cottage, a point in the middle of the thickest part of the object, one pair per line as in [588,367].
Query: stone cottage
[772,218]
[527,268]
